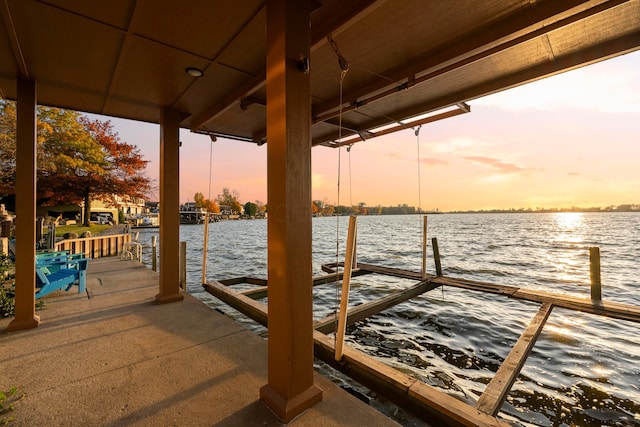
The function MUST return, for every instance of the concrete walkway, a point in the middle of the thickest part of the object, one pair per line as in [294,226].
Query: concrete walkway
[118,359]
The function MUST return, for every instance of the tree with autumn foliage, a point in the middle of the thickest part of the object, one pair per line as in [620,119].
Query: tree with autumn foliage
[230,198]
[78,159]
[209,205]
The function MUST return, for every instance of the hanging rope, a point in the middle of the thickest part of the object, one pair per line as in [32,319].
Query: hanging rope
[210,167]
[344,67]
[350,187]
[417,132]
[205,244]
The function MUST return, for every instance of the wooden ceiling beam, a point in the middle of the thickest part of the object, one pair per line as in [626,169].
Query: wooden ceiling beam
[126,43]
[215,60]
[352,13]
[13,38]
[469,48]
[242,91]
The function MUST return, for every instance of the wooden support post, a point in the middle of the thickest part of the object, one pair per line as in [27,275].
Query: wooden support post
[596,284]
[436,256]
[183,265]
[424,248]
[346,282]
[25,267]
[205,248]
[154,255]
[354,263]
[169,206]
[290,389]
[496,391]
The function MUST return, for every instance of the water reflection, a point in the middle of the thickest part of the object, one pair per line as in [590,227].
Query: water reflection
[568,221]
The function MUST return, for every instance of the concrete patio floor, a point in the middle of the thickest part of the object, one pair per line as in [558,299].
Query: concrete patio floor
[118,359]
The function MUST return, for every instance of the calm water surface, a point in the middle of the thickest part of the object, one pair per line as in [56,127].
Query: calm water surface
[584,369]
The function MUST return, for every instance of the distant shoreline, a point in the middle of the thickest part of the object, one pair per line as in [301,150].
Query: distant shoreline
[631,208]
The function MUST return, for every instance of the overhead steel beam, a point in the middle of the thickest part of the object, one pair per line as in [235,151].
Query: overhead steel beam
[396,128]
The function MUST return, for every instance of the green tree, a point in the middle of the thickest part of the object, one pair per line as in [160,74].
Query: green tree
[250,209]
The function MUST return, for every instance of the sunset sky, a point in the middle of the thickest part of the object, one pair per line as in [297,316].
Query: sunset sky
[570,140]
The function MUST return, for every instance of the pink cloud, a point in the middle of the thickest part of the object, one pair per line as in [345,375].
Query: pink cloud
[430,161]
[501,166]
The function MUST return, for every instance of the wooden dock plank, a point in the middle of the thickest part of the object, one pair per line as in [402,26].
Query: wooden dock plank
[586,305]
[242,303]
[493,396]
[602,308]
[261,292]
[454,409]
[244,279]
[362,311]
[371,268]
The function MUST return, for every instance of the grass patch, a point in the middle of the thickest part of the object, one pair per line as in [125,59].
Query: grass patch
[7,399]
[79,229]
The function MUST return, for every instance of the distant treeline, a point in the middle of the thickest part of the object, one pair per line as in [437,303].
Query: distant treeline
[612,208]
[362,209]
[325,209]
[404,209]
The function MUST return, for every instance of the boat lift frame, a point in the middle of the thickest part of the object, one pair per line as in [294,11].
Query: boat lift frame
[403,389]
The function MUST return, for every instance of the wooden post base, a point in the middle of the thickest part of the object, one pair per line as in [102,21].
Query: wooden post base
[288,409]
[164,299]
[21,325]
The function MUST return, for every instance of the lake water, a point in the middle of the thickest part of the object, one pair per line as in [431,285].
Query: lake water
[584,369]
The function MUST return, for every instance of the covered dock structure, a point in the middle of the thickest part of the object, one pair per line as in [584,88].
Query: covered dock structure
[271,72]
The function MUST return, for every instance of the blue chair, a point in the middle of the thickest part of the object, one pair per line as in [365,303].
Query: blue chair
[54,261]
[70,273]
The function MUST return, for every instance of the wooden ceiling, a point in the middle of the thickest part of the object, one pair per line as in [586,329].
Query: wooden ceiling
[410,61]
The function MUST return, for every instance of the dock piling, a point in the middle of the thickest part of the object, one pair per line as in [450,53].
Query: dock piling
[183,265]
[596,284]
[205,247]
[424,248]
[436,256]
[154,256]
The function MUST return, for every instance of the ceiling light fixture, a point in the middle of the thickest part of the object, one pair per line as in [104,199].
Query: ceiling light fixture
[194,72]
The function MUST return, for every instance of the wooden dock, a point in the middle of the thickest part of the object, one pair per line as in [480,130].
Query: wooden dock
[399,387]
[118,359]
